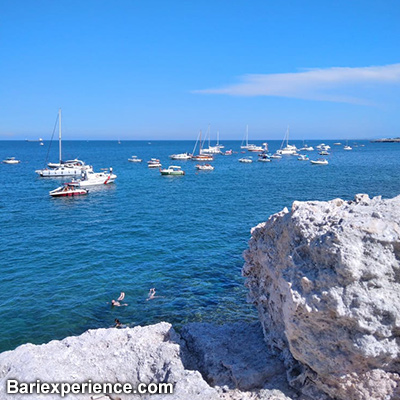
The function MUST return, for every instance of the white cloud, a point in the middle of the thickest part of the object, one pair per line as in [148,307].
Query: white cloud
[330,84]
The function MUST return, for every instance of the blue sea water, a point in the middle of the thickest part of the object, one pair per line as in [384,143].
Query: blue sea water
[64,259]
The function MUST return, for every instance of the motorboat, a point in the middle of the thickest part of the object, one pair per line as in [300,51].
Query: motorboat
[303,157]
[347,148]
[307,148]
[337,144]
[172,170]
[91,178]
[319,161]
[154,163]
[68,190]
[323,153]
[323,146]
[135,159]
[264,157]
[276,155]
[228,153]
[181,156]
[63,168]
[205,167]
[255,149]
[246,160]
[211,150]
[11,160]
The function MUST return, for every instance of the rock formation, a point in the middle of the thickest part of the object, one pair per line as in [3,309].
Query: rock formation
[154,353]
[325,278]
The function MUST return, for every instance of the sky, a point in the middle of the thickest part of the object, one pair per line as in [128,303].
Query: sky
[160,70]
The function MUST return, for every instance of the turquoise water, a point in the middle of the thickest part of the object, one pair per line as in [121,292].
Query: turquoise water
[63,259]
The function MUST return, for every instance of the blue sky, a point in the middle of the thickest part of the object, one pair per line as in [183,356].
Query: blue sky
[166,69]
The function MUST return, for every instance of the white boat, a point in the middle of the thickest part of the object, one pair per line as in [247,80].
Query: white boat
[288,149]
[172,170]
[200,156]
[347,148]
[323,146]
[69,163]
[135,159]
[337,144]
[205,167]
[62,168]
[319,161]
[246,160]
[210,149]
[324,153]
[154,163]
[307,148]
[68,190]
[264,157]
[228,153]
[11,160]
[245,140]
[276,156]
[91,178]
[303,157]
[181,156]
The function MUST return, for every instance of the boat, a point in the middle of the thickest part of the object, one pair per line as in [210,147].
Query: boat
[181,156]
[323,153]
[246,160]
[135,159]
[303,157]
[200,156]
[307,148]
[63,168]
[347,148]
[257,149]
[337,144]
[288,149]
[276,155]
[91,178]
[172,170]
[205,167]
[68,190]
[154,163]
[11,160]
[210,149]
[264,157]
[228,153]
[319,161]
[246,140]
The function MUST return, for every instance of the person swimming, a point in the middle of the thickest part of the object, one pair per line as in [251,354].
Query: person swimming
[115,303]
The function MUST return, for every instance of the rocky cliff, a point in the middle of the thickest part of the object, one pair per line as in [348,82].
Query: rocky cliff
[325,278]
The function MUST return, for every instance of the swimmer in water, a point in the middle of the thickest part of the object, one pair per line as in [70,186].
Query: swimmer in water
[115,303]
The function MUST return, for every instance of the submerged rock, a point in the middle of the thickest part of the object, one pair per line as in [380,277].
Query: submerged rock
[325,278]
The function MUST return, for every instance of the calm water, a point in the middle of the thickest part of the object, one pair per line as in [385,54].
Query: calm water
[62,260]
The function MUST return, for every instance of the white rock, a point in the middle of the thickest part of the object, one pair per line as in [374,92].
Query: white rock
[325,279]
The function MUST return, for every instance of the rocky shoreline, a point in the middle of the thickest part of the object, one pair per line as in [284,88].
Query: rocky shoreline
[325,279]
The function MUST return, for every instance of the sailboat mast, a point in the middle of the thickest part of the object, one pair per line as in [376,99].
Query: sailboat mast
[59,134]
[247,135]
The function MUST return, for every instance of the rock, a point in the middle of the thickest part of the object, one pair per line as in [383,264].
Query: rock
[154,354]
[234,356]
[141,354]
[325,278]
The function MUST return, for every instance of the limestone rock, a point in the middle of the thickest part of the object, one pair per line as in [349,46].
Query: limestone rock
[325,278]
[141,354]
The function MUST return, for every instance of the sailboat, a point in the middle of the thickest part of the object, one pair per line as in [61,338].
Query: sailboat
[63,168]
[288,149]
[210,149]
[201,156]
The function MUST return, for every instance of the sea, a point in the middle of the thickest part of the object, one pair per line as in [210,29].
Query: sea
[64,259]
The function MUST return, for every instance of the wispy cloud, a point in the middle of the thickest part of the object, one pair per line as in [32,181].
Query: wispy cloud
[337,84]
